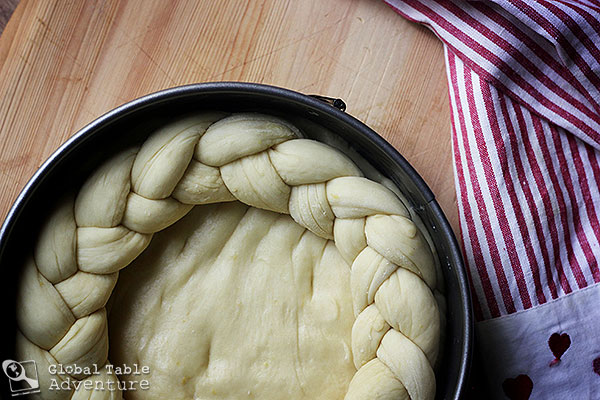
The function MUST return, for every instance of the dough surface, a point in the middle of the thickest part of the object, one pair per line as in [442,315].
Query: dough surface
[236,302]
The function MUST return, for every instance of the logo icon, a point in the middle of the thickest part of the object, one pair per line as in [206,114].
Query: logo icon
[22,376]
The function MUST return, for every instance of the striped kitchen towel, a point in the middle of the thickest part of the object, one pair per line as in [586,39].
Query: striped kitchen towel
[524,88]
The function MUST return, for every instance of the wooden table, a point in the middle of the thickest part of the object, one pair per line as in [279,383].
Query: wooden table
[64,63]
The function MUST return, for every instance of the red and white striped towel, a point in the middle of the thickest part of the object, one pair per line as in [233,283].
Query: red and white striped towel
[524,88]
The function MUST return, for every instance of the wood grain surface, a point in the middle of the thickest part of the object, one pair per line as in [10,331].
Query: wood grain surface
[64,63]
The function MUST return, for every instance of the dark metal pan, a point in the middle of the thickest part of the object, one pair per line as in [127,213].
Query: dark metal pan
[64,171]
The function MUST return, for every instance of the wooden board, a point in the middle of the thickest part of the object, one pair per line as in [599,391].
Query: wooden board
[64,63]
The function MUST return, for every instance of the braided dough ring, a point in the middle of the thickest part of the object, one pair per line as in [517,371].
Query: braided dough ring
[263,162]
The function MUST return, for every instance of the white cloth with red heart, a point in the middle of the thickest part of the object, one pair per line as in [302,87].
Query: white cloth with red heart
[521,356]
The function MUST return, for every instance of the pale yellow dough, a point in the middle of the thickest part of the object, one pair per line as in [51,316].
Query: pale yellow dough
[263,265]
[236,302]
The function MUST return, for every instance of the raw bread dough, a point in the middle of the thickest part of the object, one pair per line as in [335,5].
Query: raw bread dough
[219,305]
[236,302]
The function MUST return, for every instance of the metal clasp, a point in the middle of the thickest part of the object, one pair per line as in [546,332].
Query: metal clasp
[337,103]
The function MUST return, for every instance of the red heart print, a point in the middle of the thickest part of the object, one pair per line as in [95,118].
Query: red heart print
[596,364]
[558,343]
[518,388]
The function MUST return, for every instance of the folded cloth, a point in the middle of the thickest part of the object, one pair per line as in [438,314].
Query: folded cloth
[524,86]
